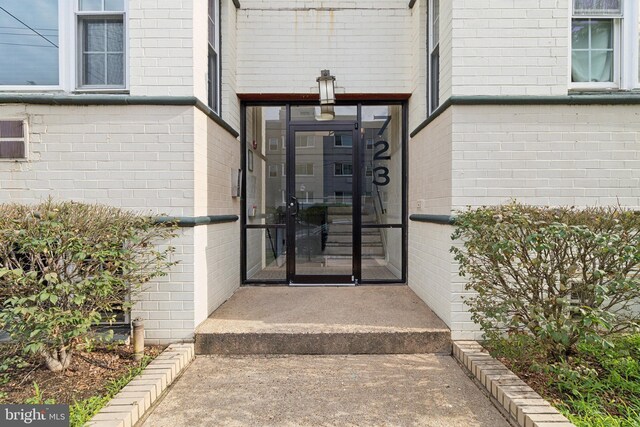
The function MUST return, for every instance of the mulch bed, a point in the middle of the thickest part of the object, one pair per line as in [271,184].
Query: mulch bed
[87,376]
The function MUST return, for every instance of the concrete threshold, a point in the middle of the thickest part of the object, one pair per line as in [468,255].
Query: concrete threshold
[323,320]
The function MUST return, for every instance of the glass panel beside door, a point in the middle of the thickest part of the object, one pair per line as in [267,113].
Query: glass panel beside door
[321,204]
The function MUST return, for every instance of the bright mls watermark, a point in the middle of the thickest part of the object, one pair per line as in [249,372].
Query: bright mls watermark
[34,415]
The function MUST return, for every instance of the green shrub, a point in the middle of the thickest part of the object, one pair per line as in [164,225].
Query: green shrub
[564,275]
[67,266]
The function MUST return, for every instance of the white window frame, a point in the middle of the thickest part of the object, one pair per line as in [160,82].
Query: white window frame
[335,142]
[625,49]
[306,169]
[342,165]
[309,142]
[77,54]
[275,169]
[276,142]
[25,136]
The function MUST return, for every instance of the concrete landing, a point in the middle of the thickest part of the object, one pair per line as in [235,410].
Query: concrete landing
[323,320]
[347,391]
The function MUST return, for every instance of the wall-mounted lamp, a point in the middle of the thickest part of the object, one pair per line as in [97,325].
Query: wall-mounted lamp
[326,88]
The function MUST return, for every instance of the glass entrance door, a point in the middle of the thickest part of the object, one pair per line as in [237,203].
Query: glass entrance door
[321,204]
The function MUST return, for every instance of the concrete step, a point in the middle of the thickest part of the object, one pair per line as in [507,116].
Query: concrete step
[339,210]
[348,244]
[348,228]
[348,238]
[323,320]
[346,251]
[348,219]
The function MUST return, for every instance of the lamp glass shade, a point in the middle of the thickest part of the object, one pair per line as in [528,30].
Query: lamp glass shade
[326,88]
[326,113]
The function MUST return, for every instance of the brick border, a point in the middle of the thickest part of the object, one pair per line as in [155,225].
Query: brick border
[510,394]
[131,403]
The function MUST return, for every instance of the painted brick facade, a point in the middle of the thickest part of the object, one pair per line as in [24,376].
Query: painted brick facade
[509,47]
[283,45]
[176,160]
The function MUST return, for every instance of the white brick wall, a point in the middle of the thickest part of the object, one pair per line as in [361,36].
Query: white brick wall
[217,246]
[546,155]
[137,157]
[169,160]
[446,49]
[230,101]
[417,102]
[486,155]
[510,47]
[431,268]
[161,50]
[430,175]
[282,46]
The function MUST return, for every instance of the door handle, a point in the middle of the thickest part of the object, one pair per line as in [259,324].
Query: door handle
[294,206]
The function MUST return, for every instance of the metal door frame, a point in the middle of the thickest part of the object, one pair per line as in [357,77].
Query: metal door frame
[325,279]
[287,103]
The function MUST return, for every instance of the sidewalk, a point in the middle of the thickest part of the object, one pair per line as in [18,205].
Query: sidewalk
[364,390]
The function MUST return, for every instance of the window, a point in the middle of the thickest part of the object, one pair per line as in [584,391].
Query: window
[273,144]
[604,44]
[273,171]
[307,141]
[433,32]
[213,79]
[12,140]
[101,41]
[304,168]
[343,169]
[343,140]
[30,43]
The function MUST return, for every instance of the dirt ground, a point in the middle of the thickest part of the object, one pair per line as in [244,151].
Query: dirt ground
[88,375]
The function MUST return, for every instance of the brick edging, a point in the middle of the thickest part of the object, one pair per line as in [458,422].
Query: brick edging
[513,396]
[131,403]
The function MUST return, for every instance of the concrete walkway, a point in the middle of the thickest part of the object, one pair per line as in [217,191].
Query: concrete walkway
[335,390]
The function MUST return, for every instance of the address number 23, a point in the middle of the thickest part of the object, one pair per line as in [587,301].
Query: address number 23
[381,173]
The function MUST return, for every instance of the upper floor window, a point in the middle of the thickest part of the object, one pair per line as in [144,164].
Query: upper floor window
[63,44]
[30,43]
[343,140]
[604,44]
[101,36]
[433,36]
[213,75]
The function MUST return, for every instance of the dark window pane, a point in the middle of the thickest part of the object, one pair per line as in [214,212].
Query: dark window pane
[33,56]
[12,150]
[597,7]
[94,69]
[115,69]
[94,36]
[11,129]
[115,35]
[213,80]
